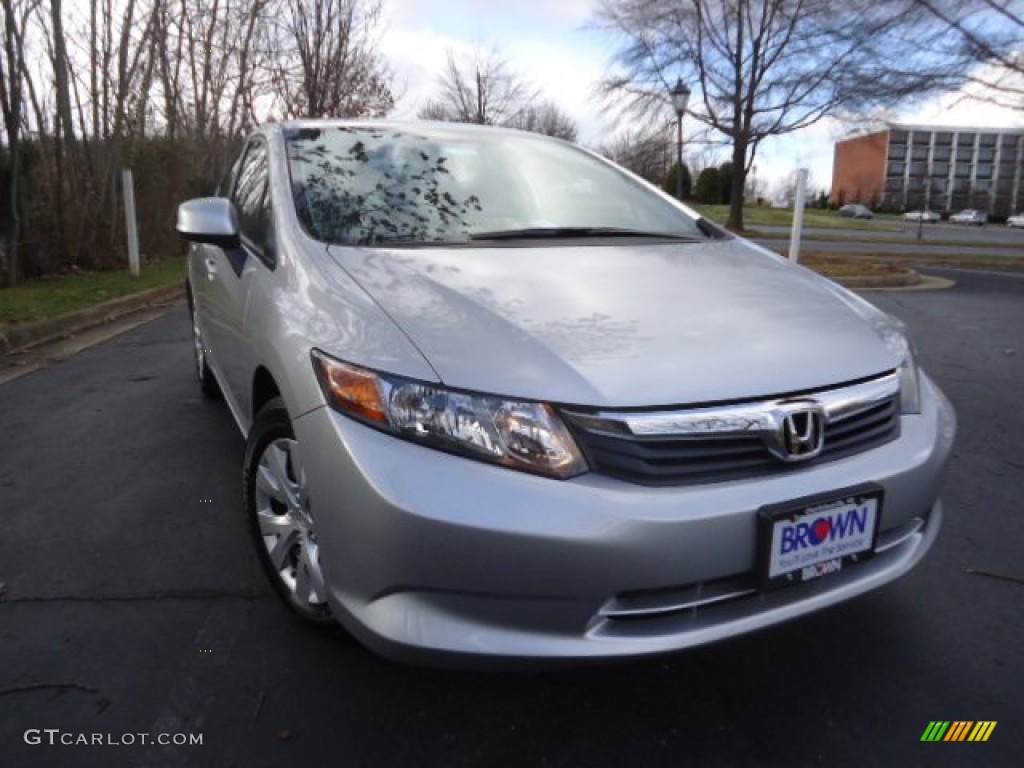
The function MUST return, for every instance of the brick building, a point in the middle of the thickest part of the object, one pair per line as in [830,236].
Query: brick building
[945,169]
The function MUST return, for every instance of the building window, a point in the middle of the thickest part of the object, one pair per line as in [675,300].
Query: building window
[897,152]
[964,154]
[963,170]
[986,155]
[941,153]
[917,169]
[897,169]
[919,153]
[987,140]
[984,172]
[943,139]
[965,140]
[897,137]
[940,169]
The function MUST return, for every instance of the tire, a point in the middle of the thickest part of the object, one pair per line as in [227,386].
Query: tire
[207,381]
[277,505]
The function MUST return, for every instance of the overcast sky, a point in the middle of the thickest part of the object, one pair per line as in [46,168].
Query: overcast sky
[550,43]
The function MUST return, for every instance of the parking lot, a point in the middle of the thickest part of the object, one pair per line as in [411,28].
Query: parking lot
[130,602]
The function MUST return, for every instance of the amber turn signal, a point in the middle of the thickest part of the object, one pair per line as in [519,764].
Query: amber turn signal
[353,390]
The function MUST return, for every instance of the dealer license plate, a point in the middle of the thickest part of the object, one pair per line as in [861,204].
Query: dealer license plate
[818,536]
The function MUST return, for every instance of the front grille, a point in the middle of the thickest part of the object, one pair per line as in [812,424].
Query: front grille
[664,459]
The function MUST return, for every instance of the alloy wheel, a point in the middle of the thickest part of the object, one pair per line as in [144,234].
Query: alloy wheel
[286,525]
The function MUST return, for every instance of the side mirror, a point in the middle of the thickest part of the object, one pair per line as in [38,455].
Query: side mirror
[211,220]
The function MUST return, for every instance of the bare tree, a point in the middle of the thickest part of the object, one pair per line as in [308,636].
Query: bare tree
[546,118]
[65,131]
[12,76]
[763,68]
[329,64]
[648,153]
[482,90]
[991,35]
[210,61]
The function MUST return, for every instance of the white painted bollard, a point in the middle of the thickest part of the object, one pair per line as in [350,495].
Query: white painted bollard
[798,215]
[129,221]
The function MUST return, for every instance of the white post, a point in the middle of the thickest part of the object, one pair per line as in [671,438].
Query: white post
[798,214]
[129,221]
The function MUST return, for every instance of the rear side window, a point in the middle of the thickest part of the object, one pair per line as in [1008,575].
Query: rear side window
[250,193]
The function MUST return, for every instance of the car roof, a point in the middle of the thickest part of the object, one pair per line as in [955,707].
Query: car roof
[428,127]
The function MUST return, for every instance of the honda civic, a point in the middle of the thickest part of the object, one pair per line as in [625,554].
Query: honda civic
[503,399]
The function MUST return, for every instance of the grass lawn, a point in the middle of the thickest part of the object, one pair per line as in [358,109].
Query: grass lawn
[765,215]
[58,294]
[834,266]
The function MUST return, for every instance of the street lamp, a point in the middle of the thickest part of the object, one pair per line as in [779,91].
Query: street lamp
[680,96]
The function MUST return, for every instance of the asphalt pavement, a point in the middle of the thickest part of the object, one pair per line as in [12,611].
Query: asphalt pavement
[131,605]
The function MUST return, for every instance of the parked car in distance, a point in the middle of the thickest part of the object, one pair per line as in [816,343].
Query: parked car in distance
[504,399]
[929,217]
[969,216]
[1016,221]
[855,211]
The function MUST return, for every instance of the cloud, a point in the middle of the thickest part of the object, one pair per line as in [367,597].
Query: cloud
[547,43]
[972,106]
[542,40]
[977,104]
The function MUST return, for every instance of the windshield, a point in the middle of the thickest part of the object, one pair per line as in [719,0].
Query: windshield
[367,185]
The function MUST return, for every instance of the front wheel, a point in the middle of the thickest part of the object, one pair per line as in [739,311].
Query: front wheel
[280,514]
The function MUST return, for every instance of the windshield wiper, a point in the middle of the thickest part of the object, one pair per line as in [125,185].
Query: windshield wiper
[543,233]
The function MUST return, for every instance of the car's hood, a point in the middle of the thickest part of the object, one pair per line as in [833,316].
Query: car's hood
[622,325]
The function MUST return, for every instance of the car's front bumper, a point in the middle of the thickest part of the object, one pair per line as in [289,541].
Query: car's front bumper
[427,553]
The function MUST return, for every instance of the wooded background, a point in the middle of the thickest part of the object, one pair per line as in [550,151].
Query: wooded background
[169,88]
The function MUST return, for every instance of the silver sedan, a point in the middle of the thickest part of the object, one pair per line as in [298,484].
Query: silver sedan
[502,399]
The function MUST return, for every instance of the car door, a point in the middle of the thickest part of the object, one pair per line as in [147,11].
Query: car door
[229,278]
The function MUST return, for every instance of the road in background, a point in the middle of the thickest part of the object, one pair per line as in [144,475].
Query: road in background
[946,239]
[993,233]
[133,604]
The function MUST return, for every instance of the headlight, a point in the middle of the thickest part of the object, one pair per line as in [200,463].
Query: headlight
[520,434]
[894,335]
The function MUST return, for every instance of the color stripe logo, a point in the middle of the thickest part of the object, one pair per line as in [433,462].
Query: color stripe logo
[958,730]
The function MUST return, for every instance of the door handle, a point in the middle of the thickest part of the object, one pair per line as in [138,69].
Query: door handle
[211,269]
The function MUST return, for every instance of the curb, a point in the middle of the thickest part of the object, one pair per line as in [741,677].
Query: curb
[31,334]
[908,279]
[928,283]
